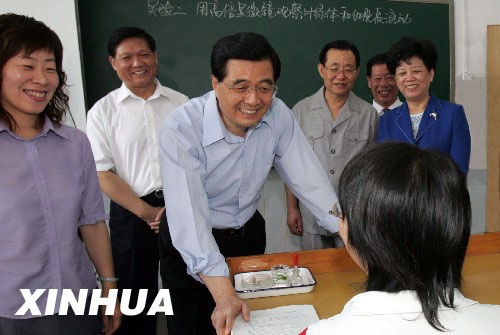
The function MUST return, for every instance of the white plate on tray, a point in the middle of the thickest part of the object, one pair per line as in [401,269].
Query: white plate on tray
[249,285]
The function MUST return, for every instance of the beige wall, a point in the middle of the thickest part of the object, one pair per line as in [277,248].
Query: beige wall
[471,20]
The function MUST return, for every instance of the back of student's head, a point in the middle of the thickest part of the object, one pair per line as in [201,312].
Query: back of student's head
[408,216]
[23,35]
[243,46]
[123,33]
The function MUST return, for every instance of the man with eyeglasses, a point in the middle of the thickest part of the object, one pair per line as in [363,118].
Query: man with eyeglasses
[337,124]
[216,152]
[382,84]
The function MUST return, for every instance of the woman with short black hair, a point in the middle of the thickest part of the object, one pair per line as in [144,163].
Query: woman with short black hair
[423,119]
[406,222]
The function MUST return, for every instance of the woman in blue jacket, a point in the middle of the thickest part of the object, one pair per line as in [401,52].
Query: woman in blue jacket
[423,119]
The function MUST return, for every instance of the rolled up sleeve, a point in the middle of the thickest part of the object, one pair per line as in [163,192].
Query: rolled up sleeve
[98,140]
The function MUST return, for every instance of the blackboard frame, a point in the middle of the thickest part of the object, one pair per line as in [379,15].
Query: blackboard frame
[361,78]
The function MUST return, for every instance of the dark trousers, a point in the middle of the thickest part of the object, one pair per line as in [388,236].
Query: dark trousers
[191,301]
[135,257]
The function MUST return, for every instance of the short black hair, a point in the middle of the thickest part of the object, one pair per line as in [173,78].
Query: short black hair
[340,45]
[245,46]
[124,33]
[375,60]
[408,215]
[408,47]
[23,34]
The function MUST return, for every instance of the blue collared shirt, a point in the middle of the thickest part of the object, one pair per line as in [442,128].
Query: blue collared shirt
[213,178]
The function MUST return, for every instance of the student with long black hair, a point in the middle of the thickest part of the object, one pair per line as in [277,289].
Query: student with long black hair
[406,222]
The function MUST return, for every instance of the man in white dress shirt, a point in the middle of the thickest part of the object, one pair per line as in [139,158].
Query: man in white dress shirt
[122,128]
[382,84]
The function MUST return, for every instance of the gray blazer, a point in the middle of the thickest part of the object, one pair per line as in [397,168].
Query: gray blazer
[334,142]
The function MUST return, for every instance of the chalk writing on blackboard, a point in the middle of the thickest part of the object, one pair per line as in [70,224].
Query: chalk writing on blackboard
[159,8]
[220,9]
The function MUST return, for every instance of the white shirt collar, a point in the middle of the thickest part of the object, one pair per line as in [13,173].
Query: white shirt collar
[379,108]
[124,92]
[376,302]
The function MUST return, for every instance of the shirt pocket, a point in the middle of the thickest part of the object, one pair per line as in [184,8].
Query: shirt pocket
[355,141]
[314,136]
[358,136]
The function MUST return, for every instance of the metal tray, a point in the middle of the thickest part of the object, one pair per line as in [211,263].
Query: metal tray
[266,288]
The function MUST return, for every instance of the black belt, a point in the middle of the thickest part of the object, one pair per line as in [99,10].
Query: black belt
[154,198]
[158,194]
[233,232]
[249,227]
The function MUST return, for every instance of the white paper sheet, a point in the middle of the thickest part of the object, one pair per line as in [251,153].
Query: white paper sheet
[287,320]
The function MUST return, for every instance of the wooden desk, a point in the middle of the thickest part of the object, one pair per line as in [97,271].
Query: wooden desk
[339,279]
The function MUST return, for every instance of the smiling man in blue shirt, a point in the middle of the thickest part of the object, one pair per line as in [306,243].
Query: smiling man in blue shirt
[215,154]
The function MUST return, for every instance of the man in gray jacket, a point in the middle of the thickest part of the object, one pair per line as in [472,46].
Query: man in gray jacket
[337,125]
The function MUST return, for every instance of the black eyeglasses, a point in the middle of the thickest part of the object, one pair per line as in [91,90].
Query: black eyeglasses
[263,90]
[336,71]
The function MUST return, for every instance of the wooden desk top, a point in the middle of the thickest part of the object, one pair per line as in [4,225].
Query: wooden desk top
[338,280]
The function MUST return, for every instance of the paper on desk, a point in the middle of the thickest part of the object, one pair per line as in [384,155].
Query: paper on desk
[287,320]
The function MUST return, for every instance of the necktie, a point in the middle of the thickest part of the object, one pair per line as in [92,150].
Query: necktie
[384,110]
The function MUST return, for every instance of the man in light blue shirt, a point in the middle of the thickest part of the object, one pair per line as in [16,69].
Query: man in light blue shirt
[215,154]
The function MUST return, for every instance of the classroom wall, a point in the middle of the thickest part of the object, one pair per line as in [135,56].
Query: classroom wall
[471,19]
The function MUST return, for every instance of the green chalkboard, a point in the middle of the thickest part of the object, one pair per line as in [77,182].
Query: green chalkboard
[185,31]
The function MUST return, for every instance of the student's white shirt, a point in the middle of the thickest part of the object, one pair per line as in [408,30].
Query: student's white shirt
[379,108]
[381,313]
[122,129]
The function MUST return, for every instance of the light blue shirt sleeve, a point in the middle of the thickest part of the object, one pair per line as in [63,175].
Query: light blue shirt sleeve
[186,203]
[301,170]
